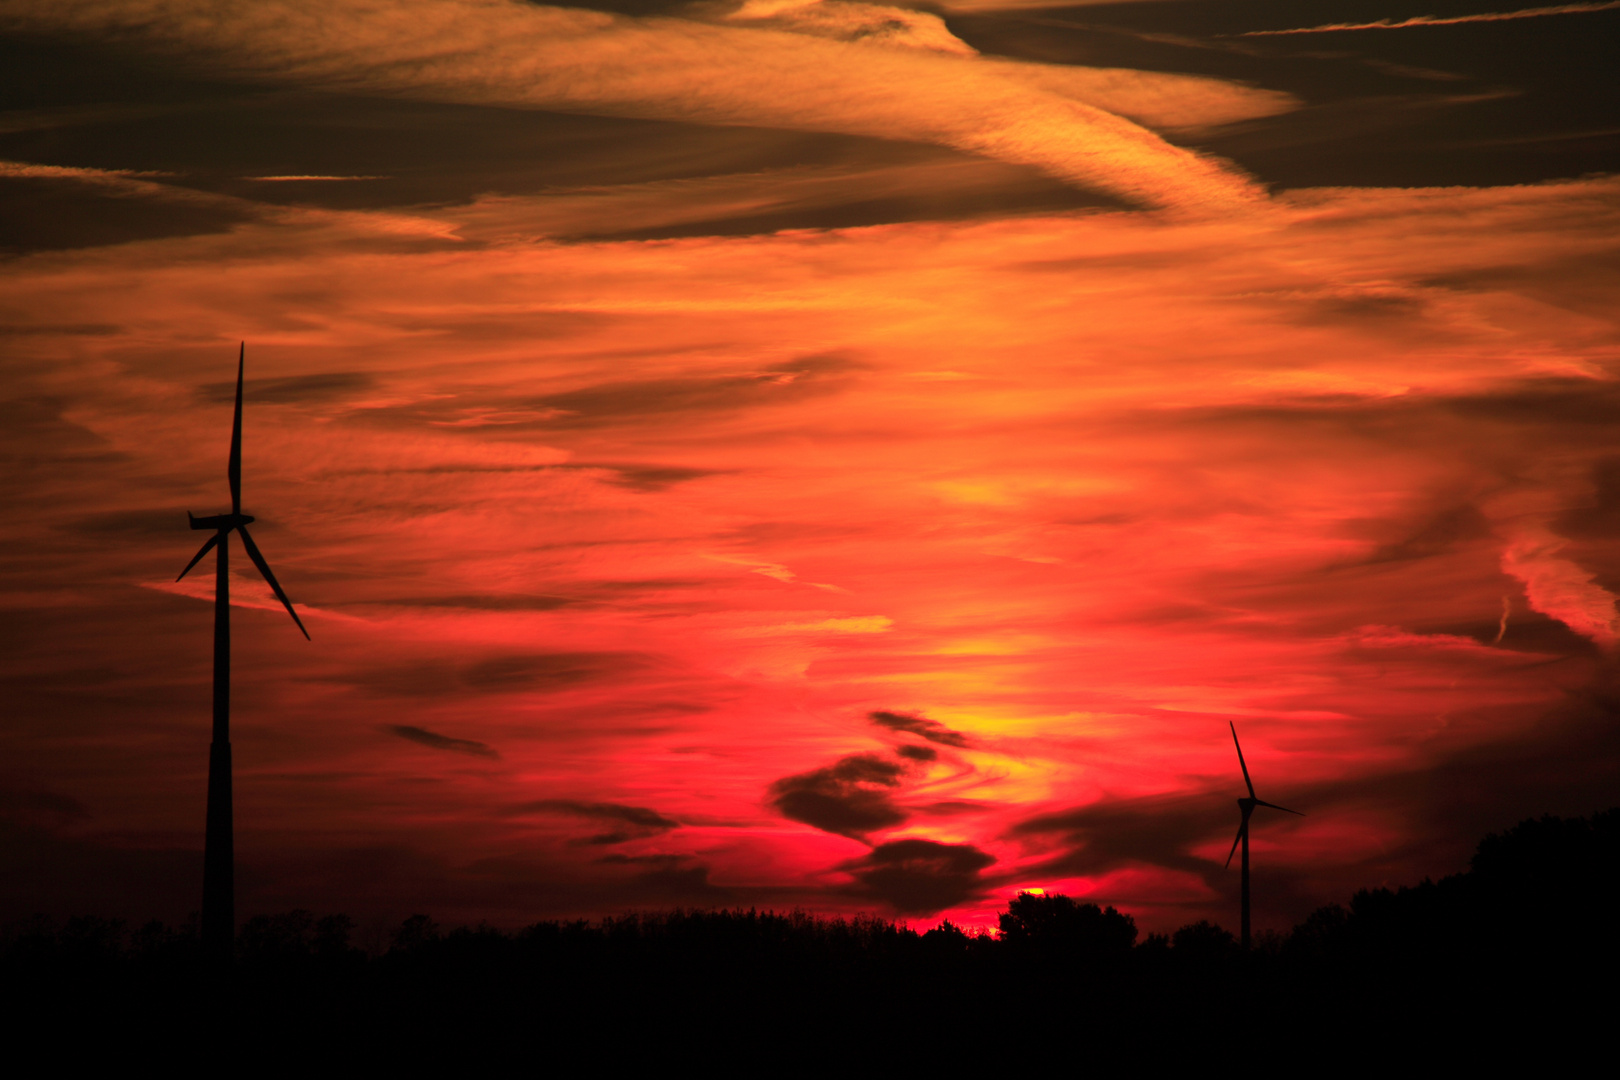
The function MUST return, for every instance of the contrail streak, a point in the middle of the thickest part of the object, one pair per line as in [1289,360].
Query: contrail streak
[1430,20]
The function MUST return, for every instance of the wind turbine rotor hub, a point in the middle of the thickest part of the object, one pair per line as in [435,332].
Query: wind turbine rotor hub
[221,521]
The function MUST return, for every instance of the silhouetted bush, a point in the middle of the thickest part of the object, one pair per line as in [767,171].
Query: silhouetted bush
[752,989]
[1051,923]
[1203,942]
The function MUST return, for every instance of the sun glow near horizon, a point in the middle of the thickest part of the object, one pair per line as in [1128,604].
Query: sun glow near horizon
[871,567]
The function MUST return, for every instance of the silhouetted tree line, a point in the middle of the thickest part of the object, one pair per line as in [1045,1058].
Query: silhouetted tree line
[1523,943]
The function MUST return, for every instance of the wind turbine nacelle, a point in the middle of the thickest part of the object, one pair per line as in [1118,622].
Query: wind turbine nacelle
[222,522]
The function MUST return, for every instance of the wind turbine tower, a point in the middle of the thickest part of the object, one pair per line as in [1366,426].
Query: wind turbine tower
[1247,806]
[219,855]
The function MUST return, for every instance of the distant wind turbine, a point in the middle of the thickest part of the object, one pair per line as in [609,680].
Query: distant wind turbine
[219,855]
[1247,806]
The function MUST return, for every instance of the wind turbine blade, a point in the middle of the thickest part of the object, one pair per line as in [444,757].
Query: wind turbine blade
[1241,763]
[1274,806]
[234,470]
[264,568]
[1243,828]
[208,545]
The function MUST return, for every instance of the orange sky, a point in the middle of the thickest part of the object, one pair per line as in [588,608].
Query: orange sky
[890,568]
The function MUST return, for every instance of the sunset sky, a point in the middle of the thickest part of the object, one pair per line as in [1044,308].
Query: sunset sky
[806,454]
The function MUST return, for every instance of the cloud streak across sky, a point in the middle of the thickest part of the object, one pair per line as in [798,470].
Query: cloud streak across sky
[1431,20]
[1071,123]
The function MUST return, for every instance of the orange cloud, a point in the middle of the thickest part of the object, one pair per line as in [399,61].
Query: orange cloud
[1455,20]
[843,21]
[573,503]
[1558,587]
[1066,122]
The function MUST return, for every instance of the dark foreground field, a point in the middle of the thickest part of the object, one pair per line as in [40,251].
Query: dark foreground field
[1514,959]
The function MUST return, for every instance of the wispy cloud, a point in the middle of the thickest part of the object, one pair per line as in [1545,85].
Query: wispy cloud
[921,877]
[625,822]
[1069,123]
[932,730]
[1449,20]
[853,797]
[1555,585]
[435,741]
[301,177]
[30,171]
[1071,637]
[876,24]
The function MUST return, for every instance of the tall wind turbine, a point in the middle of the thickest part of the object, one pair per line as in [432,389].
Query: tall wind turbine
[219,855]
[1247,806]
